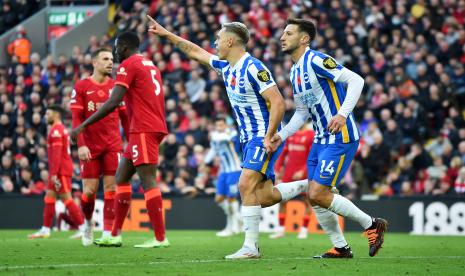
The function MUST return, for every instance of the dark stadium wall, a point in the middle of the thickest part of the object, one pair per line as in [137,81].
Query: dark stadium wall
[444,216]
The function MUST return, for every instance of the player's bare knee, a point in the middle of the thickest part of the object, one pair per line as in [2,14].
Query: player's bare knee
[314,198]
[246,187]
[65,196]
[109,183]
[90,190]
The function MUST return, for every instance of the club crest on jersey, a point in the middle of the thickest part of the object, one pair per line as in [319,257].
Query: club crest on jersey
[56,133]
[121,71]
[306,77]
[241,82]
[263,75]
[329,63]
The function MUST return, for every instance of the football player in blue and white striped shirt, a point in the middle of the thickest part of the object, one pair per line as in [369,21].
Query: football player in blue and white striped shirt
[258,107]
[222,145]
[318,84]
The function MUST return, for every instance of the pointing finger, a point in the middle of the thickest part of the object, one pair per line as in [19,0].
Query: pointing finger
[151,19]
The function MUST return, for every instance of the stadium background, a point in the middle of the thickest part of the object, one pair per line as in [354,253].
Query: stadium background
[411,115]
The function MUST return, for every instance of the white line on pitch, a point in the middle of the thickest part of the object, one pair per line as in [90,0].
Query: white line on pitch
[212,261]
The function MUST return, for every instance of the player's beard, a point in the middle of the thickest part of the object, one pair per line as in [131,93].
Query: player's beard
[290,49]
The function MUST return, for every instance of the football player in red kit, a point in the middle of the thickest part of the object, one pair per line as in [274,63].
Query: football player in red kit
[138,80]
[100,145]
[60,168]
[292,166]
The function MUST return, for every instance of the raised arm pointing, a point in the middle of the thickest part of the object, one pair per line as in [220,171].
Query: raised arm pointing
[192,50]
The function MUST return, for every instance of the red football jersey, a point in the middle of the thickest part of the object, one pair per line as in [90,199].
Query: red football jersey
[59,159]
[295,154]
[87,97]
[144,97]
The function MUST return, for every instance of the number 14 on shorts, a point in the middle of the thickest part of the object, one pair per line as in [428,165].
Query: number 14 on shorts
[329,168]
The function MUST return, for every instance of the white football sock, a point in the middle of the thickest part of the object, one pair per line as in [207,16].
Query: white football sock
[346,208]
[330,224]
[290,190]
[227,211]
[82,227]
[88,222]
[251,217]
[235,215]
[106,234]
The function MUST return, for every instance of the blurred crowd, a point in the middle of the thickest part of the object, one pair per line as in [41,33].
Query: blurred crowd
[411,112]
[15,11]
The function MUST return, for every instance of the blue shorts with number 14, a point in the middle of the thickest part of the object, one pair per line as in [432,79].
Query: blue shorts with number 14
[255,157]
[327,164]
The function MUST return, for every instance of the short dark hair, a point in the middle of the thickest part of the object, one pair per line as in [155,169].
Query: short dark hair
[100,50]
[238,29]
[129,39]
[306,26]
[57,108]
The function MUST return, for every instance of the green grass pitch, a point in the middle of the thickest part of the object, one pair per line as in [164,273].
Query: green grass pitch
[201,253]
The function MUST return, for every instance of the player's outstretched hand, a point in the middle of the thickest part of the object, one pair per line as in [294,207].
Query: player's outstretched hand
[84,153]
[336,124]
[75,132]
[156,28]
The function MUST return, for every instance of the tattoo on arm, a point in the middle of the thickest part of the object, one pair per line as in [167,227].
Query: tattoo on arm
[185,47]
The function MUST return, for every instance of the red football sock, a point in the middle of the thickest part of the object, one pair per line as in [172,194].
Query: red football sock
[74,211]
[305,221]
[108,210]
[282,219]
[154,204]
[122,203]
[87,206]
[49,211]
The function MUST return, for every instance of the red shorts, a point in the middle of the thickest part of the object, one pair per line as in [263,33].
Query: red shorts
[143,148]
[65,184]
[104,164]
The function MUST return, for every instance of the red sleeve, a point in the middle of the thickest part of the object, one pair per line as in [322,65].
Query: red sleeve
[56,148]
[77,110]
[282,157]
[125,74]
[124,120]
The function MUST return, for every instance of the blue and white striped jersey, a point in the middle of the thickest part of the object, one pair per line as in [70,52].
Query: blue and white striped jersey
[222,145]
[314,81]
[244,84]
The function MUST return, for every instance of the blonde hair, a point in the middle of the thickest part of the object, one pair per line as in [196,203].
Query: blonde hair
[239,29]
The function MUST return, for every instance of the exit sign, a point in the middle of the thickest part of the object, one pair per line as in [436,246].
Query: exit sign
[67,18]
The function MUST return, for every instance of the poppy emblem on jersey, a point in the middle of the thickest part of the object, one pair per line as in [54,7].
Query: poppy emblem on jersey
[329,63]
[299,81]
[101,94]
[263,75]
[91,106]
[241,82]
[233,81]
